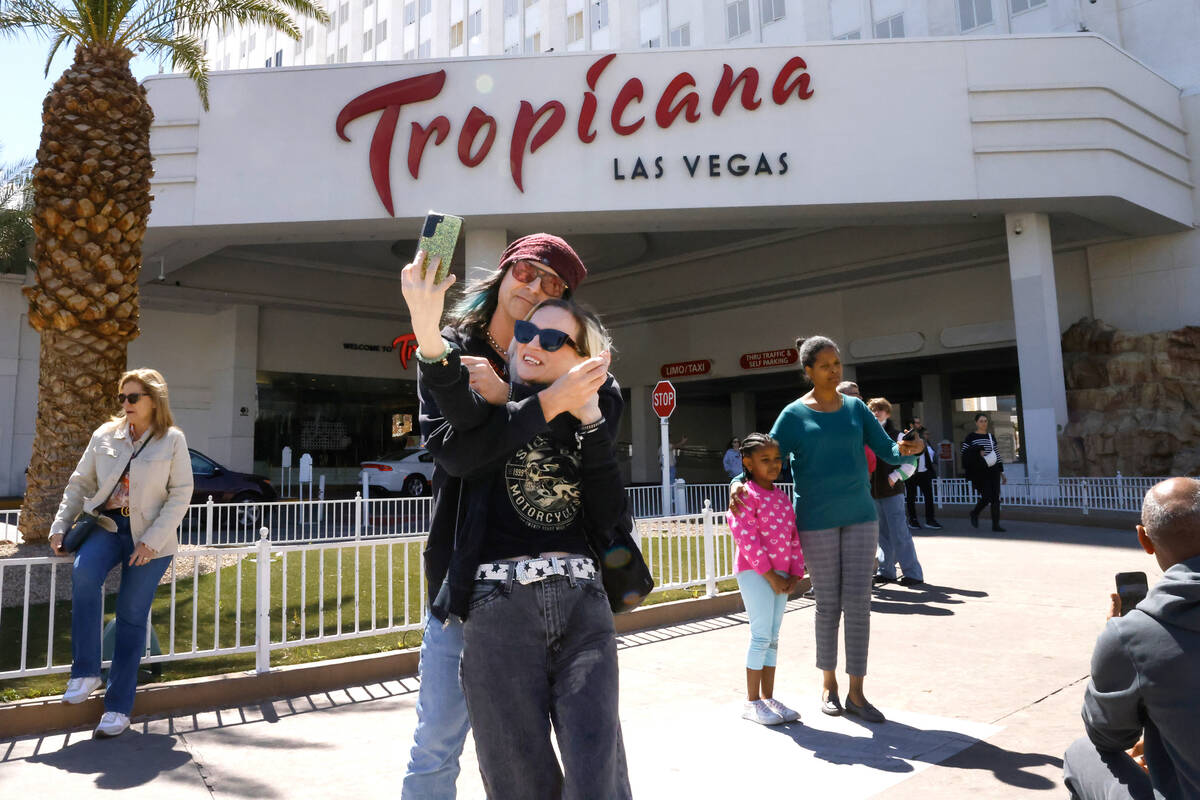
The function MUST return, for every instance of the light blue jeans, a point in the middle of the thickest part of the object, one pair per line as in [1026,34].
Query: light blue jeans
[765,609]
[99,553]
[896,540]
[442,723]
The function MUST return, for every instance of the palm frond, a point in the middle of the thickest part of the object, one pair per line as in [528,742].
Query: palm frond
[59,40]
[185,51]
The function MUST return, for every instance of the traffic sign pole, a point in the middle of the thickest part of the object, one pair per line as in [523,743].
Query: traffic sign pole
[662,402]
[664,428]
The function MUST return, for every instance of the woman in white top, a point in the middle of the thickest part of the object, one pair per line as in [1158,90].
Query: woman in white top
[136,475]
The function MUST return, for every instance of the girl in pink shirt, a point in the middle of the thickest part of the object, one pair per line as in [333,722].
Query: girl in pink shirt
[769,564]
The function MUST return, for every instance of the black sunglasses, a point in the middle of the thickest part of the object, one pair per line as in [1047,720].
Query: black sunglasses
[551,338]
[132,397]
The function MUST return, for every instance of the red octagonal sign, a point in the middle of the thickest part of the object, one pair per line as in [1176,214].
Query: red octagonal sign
[663,399]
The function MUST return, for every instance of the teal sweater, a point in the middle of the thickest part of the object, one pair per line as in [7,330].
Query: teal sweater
[829,465]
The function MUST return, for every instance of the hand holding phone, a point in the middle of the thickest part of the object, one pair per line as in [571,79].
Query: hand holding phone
[1131,589]
[439,237]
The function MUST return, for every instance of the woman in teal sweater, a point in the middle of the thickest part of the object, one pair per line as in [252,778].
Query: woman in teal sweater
[822,435]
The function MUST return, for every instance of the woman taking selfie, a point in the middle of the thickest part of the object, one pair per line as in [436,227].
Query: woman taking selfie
[540,481]
[822,434]
[136,478]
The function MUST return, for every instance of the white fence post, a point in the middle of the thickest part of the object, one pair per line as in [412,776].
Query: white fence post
[262,605]
[358,515]
[939,491]
[208,524]
[710,551]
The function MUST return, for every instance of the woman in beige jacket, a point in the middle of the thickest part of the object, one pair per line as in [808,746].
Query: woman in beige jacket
[139,510]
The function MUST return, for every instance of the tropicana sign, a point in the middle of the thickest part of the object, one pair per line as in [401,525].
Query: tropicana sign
[532,128]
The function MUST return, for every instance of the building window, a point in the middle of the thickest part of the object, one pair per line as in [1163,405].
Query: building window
[575,27]
[308,37]
[848,36]
[424,49]
[381,32]
[456,35]
[299,46]
[510,8]
[600,14]
[654,42]
[410,13]
[474,24]
[343,53]
[533,44]
[368,40]
[737,18]
[268,64]
[973,13]
[426,7]
[344,14]
[681,36]
[250,46]
[772,10]
[279,58]
[1024,5]
[242,52]
[890,28]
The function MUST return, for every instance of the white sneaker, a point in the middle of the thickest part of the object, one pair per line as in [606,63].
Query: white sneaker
[78,689]
[113,723]
[785,713]
[760,712]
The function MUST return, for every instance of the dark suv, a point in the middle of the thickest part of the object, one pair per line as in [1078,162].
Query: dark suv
[225,485]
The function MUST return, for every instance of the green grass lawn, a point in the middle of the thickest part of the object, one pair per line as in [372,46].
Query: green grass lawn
[327,605]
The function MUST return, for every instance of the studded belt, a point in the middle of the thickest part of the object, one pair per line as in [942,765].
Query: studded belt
[532,570]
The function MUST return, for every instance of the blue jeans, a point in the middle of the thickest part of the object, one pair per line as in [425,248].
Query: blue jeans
[539,654]
[442,722]
[896,540]
[100,552]
[765,609]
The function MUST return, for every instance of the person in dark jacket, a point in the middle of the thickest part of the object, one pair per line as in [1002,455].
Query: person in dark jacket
[887,490]
[922,480]
[539,483]
[984,469]
[1144,693]
[532,269]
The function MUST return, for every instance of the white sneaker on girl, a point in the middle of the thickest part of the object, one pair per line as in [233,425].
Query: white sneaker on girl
[785,713]
[758,711]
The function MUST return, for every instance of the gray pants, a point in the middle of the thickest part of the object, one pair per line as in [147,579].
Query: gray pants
[840,562]
[1094,775]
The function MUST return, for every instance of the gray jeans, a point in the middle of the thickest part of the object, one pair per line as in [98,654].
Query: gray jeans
[1094,775]
[839,562]
[537,655]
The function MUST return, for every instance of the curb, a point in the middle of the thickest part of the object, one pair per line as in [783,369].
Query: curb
[49,714]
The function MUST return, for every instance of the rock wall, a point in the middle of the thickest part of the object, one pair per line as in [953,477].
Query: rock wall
[1133,401]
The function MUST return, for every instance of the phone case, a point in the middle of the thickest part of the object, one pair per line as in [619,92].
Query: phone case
[439,237]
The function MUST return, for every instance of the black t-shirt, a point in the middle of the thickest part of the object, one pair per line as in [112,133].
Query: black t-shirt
[534,503]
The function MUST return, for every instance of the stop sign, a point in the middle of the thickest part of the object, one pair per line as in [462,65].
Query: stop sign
[662,400]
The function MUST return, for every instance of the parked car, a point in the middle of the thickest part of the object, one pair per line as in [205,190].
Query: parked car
[407,472]
[226,485]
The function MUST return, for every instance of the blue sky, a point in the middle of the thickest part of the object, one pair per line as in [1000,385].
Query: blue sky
[22,89]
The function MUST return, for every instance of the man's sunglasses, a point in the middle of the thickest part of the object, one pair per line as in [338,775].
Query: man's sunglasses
[551,338]
[552,285]
[132,397]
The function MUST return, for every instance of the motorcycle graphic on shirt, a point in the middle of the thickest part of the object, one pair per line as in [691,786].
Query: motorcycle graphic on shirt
[542,481]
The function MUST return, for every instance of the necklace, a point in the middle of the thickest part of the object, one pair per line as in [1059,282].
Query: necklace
[495,345]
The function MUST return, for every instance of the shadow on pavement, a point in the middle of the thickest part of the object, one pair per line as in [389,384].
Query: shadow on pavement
[892,745]
[1061,533]
[888,599]
[130,760]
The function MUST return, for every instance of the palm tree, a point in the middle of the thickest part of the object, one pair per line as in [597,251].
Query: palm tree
[16,202]
[91,187]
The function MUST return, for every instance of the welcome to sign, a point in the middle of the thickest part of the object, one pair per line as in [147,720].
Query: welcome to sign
[531,128]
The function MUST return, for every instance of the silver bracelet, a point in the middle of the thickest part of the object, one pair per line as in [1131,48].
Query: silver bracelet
[584,430]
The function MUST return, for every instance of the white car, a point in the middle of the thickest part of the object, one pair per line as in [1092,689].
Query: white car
[407,472]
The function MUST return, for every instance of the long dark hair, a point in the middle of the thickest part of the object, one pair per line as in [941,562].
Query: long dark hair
[475,308]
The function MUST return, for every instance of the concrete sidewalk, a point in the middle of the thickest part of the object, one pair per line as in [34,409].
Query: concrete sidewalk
[980,672]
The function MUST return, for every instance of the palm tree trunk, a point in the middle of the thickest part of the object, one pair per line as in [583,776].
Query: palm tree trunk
[91,201]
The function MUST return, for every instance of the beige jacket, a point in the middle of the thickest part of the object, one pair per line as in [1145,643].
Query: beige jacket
[160,484]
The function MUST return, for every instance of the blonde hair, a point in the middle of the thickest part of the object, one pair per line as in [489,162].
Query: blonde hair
[156,387]
[879,404]
[594,338]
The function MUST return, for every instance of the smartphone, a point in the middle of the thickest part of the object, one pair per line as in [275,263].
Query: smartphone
[1132,588]
[439,237]
[909,436]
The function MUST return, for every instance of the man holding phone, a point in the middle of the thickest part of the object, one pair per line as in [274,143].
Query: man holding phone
[532,269]
[1144,692]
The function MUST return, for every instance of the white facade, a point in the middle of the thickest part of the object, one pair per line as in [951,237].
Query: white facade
[935,205]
